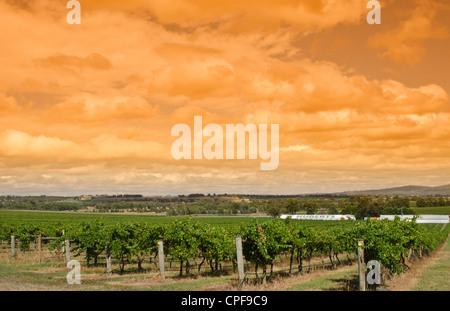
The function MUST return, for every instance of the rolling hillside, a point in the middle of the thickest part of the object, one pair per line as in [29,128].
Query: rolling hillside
[405,191]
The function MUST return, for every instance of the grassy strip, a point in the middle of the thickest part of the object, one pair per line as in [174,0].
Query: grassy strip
[47,277]
[439,210]
[327,282]
[25,273]
[436,277]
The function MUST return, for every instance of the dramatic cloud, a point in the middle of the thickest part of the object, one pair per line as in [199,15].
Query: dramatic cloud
[67,62]
[405,43]
[90,107]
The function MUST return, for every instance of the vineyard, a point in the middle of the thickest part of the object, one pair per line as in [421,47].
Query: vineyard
[190,243]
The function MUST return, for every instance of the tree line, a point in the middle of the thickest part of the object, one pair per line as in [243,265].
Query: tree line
[361,206]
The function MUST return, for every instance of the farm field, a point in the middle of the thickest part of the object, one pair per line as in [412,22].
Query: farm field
[76,218]
[440,210]
[327,260]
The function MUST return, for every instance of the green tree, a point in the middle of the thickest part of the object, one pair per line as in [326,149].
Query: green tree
[291,206]
[421,202]
[311,207]
[273,211]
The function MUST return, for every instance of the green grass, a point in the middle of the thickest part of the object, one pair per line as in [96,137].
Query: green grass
[440,210]
[326,282]
[32,275]
[29,275]
[437,276]
[73,218]
[39,217]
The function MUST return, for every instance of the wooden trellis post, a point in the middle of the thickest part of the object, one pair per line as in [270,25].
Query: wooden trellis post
[240,261]
[63,247]
[67,249]
[13,246]
[161,258]
[108,260]
[40,247]
[361,266]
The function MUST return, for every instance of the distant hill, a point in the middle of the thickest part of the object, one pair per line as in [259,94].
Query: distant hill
[404,191]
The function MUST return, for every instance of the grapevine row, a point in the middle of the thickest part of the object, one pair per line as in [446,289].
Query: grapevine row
[389,242]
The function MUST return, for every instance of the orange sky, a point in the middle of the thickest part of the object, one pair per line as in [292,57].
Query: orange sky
[89,108]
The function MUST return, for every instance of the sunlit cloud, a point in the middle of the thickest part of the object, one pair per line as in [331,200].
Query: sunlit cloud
[90,107]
